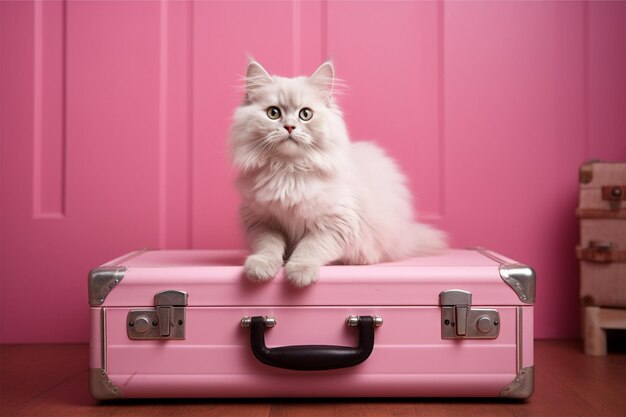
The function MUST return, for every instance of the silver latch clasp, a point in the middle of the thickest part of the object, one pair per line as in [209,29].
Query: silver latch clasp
[460,321]
[165,321]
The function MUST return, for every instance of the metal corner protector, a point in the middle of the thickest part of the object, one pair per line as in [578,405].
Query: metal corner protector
[522,386]
[102,280]
[101,387]
[522,279]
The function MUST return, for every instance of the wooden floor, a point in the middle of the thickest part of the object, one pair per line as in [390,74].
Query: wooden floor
[51,380]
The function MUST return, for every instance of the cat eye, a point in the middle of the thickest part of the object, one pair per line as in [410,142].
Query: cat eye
[273,112]
[306,114]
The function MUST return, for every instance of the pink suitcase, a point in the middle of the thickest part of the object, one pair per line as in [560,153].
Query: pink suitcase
[185,323]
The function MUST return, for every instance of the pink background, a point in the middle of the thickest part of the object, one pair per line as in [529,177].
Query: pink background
[114,118]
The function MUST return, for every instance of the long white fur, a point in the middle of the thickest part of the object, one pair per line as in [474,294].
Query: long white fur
[316,198]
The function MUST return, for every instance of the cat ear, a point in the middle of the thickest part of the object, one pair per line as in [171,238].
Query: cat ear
[323,78]
[256,77]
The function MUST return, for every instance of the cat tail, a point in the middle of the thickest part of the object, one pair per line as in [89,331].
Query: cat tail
[428,240]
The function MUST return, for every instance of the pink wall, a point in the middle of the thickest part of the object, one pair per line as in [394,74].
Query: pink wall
[114,117]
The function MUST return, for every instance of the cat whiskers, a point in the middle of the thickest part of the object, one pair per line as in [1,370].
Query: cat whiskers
[262,147]
[308,143]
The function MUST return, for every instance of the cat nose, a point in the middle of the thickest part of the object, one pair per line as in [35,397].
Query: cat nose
[289,128]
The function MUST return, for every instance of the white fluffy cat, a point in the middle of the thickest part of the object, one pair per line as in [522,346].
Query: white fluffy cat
[310,196]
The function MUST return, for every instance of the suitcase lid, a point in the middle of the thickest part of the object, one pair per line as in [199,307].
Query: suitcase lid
[215,278]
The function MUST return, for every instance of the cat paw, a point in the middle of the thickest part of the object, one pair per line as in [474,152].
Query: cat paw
[302,274]
[261,267]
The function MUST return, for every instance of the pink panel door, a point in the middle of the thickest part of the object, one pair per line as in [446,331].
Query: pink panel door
[393,70]
[114,118]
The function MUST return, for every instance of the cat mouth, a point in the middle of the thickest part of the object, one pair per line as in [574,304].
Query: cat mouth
[289,146]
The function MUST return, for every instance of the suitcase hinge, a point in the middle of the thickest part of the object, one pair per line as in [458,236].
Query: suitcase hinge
[165,321]
[460,321]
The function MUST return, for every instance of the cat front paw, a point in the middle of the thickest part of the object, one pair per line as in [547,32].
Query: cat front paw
[260,267]
[302,274]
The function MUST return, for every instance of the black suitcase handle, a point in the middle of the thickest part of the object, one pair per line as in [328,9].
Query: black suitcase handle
[312,357]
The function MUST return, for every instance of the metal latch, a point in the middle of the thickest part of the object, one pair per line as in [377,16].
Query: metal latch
[614,194]
[599,251]
[166,321]
[460,321]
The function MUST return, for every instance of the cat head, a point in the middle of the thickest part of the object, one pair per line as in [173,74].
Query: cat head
[292,122]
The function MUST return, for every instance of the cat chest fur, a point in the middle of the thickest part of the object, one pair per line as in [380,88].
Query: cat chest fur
[299,200]
[300,192]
